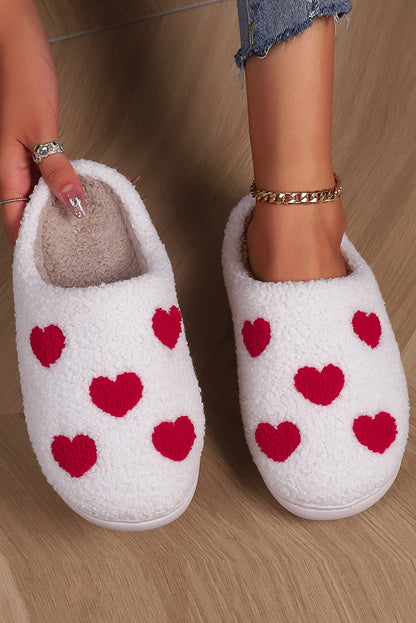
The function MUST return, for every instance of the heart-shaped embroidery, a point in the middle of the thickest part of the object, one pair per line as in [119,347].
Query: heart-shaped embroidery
[75,456]
[367,327]
[116,397]
[47,344]
[321,388]
[279,442]
[378,433]
[174,440]
[256,336]
[167,325]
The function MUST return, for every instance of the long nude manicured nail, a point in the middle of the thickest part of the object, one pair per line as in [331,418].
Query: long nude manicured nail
[71,197]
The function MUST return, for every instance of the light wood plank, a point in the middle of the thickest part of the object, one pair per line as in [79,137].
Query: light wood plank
[65,18]
[163,100]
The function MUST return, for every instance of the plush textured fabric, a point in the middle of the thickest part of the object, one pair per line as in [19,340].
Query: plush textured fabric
[320,386]
[313,395]
[81,252]
[367,327]
[92,412]
[256,336]
[47,344]
[119,396]
[377,433]
[174,439]
[277,442]
[167,326]
[76,456]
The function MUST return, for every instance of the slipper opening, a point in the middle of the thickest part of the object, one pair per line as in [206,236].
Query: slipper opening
[99,248]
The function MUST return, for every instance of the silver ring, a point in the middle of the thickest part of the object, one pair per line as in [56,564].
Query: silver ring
[17,199]
[43,150]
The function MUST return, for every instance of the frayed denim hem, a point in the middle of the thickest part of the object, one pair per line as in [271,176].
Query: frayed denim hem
[289,33]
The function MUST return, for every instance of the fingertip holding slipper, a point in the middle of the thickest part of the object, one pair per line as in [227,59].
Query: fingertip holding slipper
[323,393]
[111,400]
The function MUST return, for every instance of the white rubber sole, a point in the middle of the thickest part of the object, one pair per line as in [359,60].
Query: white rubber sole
[136,526]
[333,512]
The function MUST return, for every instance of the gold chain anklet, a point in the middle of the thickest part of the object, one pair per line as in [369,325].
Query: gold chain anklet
[315,196]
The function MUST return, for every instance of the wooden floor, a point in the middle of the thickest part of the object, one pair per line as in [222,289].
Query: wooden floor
[151,87]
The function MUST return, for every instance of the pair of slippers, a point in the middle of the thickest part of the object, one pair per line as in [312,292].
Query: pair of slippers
[111,400]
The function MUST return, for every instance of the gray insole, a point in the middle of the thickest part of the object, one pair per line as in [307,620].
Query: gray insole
[98,248]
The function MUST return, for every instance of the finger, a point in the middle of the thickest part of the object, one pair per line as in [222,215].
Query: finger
[60,176]
[12,215]
[17,179]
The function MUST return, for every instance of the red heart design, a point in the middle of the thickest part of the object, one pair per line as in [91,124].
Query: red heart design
[77,456]
[47,344]
[256,336]
[321,388]
[116,397]
[174,439]
[378,433]
[279,442]
[167,325]
[367,327]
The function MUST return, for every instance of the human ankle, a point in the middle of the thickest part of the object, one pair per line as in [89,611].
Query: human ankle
[272,218]
[287,250]
[296,241]
[296,176]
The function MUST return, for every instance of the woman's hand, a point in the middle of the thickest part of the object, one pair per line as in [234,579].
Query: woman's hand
[29,114]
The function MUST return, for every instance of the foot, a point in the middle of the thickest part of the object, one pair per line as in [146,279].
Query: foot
[296,242]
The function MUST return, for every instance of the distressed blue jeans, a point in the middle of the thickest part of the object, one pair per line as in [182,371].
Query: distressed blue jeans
[264,23]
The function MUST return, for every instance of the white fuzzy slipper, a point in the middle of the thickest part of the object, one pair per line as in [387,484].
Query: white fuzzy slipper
[111,400]
[323,393]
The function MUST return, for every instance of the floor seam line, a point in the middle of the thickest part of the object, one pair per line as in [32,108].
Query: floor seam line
[145,18]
